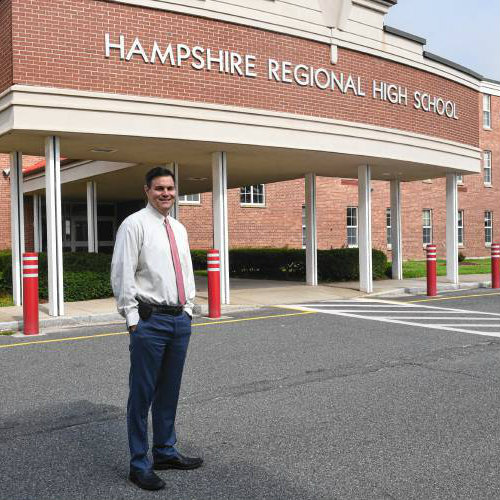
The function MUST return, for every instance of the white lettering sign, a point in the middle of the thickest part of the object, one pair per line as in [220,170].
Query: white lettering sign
[286,72]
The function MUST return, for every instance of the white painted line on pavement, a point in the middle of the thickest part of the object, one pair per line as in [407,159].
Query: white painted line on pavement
[407,323]
[482,325]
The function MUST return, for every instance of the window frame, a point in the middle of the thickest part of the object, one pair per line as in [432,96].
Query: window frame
[355,208]
[487,154]
[486,227]
[252,194]
[487,111]
[190,202]
[388,227]
[460,227]
[429,227]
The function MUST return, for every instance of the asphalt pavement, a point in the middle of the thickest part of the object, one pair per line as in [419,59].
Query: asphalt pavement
[281,403]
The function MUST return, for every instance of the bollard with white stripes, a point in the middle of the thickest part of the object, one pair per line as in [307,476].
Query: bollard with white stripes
[431,271]
[495,265]
[30,294]
[213,268]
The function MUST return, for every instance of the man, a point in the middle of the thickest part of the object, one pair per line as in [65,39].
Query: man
[153,282]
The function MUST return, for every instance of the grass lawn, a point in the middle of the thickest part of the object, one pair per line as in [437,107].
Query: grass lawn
[201,273]
[417,268]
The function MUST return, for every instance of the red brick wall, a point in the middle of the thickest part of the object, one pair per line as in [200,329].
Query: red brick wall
[4,204]
[72,56]
[5,45]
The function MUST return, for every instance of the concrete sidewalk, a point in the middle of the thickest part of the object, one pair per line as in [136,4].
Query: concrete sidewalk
[245,294]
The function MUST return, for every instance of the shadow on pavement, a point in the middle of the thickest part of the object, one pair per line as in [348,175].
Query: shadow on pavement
[79,450]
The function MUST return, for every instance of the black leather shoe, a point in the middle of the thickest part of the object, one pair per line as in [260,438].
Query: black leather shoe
[179,462]
[147,480]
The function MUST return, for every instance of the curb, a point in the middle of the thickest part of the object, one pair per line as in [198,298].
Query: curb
[108,318]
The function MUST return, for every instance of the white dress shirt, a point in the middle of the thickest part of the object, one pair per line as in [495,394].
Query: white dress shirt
[142,266]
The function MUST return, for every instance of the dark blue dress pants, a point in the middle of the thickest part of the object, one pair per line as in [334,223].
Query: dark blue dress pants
[158,349]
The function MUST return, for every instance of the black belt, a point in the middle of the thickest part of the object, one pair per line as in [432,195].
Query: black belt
[146,309]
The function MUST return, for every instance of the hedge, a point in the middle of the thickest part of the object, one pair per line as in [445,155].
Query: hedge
[87,276]
[340,264]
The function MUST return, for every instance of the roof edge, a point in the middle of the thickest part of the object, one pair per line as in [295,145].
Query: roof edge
[404,34]
[451,64]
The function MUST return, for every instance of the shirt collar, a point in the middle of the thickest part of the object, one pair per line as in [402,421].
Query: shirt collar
[152,210]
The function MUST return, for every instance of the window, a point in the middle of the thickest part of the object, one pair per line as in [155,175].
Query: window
[486,111]
[487,167]
[388,225]
[426,227]
[488,227]
[190,199]
[352,226]
[460,226]
[304,235]
[252,195]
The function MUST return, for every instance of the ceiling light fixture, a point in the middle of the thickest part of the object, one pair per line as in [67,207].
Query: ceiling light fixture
[103,150]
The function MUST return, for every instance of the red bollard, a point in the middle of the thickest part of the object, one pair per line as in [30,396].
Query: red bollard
[431,271]
[495,265]
[30,294]
[213,268]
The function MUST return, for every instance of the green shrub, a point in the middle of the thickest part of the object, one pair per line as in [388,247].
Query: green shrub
[461,256]
[199,258]
[5,260]
[290,264]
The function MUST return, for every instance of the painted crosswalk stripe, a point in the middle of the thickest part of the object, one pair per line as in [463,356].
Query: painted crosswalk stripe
[422,316]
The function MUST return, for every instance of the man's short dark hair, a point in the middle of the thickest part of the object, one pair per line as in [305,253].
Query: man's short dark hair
[158,172]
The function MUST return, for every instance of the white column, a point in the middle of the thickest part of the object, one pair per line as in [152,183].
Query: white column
[17,224]
[365,229]
[452,228]
[92,237]
[311,232]
[37,222]
[174,211]
[221,240]
[54,225]
[396,228]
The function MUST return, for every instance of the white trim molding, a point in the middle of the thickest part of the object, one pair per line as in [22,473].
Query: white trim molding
[45,109]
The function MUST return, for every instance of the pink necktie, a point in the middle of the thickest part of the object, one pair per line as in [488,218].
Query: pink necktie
[177,263]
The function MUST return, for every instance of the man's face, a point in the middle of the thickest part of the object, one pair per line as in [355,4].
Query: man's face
[161,194]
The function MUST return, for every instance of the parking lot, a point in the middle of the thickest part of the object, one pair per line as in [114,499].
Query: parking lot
[338,400]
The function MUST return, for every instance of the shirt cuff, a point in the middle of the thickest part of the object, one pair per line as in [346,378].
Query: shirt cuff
[132,318]
[189,310]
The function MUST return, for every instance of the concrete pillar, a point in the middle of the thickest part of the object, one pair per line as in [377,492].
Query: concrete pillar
[311,231]
[221,239]
[451,228]
[54,225]
[92,234]
[17,224]
[396,229]
[365,229]
[37,223]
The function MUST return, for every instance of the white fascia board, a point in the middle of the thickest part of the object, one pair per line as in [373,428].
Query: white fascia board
[75,172]
[491,88]
[44,110]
